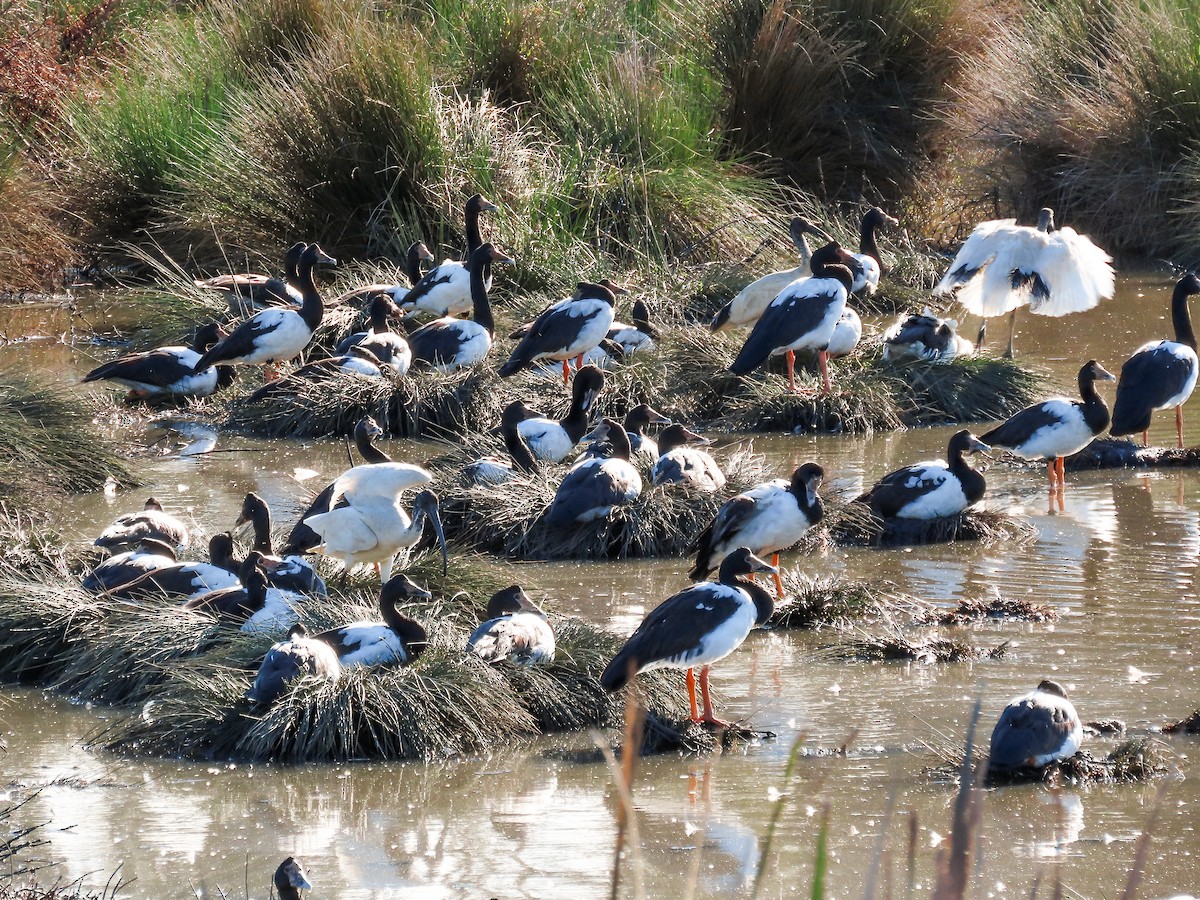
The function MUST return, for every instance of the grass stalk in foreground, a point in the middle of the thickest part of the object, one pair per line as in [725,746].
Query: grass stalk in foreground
[777,811]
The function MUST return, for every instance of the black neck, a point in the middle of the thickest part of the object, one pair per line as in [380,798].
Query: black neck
[412,264]
[378,318]
[411,634]
[972,481]
[1181,318]
[814,510]
[518,449]
[866,239]
[367,449]
[479,298]
[619,440]
[312,310]
[764,603]
[1095,410]
[474,238]
[261,519]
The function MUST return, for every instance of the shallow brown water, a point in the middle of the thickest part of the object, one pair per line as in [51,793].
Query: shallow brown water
[1119,565]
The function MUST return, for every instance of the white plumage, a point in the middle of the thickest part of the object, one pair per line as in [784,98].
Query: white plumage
[748,305]
[370,644]
[846,333]
[546,438]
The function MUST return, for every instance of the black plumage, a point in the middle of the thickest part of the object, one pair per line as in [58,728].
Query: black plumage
[561,331]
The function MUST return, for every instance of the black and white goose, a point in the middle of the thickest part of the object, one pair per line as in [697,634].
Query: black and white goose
[750,302]
[553,440]
[1004,266]
[290,880]
[696,628]
[445,290]
[275,335]
[494,470]
[516,629]
[566,330]
[449,344]
[593,488]
[929,490]
[151,523]
[867,266]
[1057,427]
[248,293]
[767,519]
[644,449]
[388,346]
[924,336]
[680,462]
[846,334]
[802,317]
[358,360]
[641,335]
[302,539]
[186,579]
[168,370]
[148,555]
[256,606]
[417,253]
[397,640]
[297,656]
[290,572]
[1160,374]
[1035,730]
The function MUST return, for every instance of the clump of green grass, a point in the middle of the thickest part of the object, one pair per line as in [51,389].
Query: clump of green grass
[34,248]
[967,389]
[836,601]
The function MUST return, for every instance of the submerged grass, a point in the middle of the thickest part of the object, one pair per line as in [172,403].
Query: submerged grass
[854,526]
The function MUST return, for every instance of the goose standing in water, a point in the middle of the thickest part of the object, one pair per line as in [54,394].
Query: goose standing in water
[494,470]
[152,523]
[1160,374]
[1057,427]
[1035,730]
[417,253]
[449,344]
[248,293]
[553,440]
[297,656]
[681,463]
[515,629]
[445,290]
[290,572]
[697,627]
[930,490]
[802,317]
[1004,266]
[275,335]
[746,308]
[593,488]
[391,348]
[168,370]
[566,330]
[397,640]
[767,519]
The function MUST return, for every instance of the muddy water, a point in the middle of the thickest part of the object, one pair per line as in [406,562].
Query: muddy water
[1119,564]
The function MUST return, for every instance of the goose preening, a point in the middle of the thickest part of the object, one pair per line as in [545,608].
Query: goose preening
[680,462]
[1057,427]
[449,344]
[290,572]
[924,336]
[186,580]
[643,448]
[302,539]
[929,490]
[551,439]
[767,519]
[366,522]
[641,335]
[516,629]
[445,290]
[297,656]
[802,317]
[493,470]
[593,488]
[1035,730]
[168,370]
[397,640]
[866,265]
[697,627]
[417,253]
[148,555]
[1004,266]
[275,335]
[151,523]
[1160,374]
[566,330]
[290,880]
[746,308]
[388,346]
[239,603]
[358,360]
[250,292]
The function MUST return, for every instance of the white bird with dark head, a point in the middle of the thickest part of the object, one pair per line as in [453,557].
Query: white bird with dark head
[397,640]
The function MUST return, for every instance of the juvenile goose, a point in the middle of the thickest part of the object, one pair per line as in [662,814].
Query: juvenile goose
[494,470]
[186,579]
[297,656]
[251,292]
[1035,730]
[388,346]
[643,447]
[151,523]
[289,572]
[767,519]
[925,336]
[1057,427]
[553,440]
[641,335]
[680,463]
[566,330]
[397,640]
[445,290]
[593,488]
[148,555]
[928,490]
[696,627]
[516,629]
[417,253]
[168,370]
[1160,374]
[275,335]
[449,344]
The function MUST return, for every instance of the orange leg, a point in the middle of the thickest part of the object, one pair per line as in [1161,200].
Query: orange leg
[823,362]
[1062,473]
[1179,425]
[709,718]
[579,362]
[566,372]
[791,363]
[691,684]
[778,580]
[1051,473]
[1145,438]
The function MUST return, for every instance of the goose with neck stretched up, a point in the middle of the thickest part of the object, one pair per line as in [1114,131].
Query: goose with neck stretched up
[390,348]
[275,335]
[1056,428]
[416,254]
[680,461]
[1035,730]
[495,470]
[1004,266]
[566,330]
[593,488]
[697,627]
[516,629]
[445,290]
[397,640]
[930,490]
[767,519]
[290,572]
[247,293]
[168,371]
[450,344]
[551,439]
[802,317]
[866,265]
[1160,374]
[296,656]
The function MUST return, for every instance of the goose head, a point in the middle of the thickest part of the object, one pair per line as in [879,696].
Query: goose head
[510,600]
[588,383]
[587,290]
[678,435]
[806,481]
[290,880]
[207,336]
[426,503]
[831,261]
[642,415]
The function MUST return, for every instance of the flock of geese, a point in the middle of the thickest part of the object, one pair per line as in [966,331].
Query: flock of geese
[361,517]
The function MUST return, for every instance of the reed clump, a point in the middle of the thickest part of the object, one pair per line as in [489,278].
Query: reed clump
[836,601]
[1137,759]
[853,529]
[996,607]
[893,644]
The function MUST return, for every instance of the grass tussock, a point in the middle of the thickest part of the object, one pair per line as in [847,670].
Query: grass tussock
[854,526]
[836,601]
[924,649]
[1137,759]
[995,607]
[1189,725]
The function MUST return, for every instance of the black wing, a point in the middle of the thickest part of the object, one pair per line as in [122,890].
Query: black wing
[1021,426]
[554,329]
[726,523]
[897,489]
[435,343]
[161,368]
[302,538]
[1148,380]
[789,317]
[431,279]
[1027,730]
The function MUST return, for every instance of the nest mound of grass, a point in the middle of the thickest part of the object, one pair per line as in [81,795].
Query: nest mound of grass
[509,519]
[1189,725]
[819,601]
[1122,453]
[1136,759]
[967,389]
[995,607]
[853,525]
[924,649]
